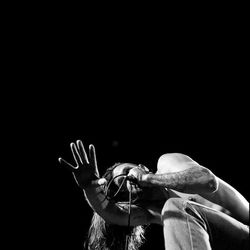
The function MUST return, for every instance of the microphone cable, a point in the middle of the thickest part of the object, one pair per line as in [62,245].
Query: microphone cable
[129,213]
[129,204]
[119,188]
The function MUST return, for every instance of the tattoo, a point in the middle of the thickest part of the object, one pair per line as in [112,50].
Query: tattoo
[183,180]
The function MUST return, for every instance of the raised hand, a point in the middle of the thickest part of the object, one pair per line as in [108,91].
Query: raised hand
[86,171]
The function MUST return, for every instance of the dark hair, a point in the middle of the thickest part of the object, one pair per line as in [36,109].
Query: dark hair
[105,236]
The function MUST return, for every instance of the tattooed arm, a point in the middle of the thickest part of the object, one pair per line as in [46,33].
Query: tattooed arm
[179,167]
[181,173]
[193,180]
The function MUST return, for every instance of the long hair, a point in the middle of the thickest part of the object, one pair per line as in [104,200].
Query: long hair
[105,236]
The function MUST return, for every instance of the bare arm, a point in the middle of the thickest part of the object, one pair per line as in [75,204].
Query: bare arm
[224,195]
[193,180]
[87,177]
[115,213]
[179,173]
[229,198]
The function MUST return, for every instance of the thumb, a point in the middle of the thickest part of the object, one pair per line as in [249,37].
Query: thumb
[99,182]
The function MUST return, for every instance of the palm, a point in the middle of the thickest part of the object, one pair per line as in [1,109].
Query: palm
[86,166]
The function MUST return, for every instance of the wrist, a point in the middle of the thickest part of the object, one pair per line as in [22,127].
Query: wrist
[146,179]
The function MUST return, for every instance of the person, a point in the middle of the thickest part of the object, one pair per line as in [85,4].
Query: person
[196,209]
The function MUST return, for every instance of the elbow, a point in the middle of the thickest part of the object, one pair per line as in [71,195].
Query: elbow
[212,182]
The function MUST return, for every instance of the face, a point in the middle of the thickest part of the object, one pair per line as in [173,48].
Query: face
[124,168]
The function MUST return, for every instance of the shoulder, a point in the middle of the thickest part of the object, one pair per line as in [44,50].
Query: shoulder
[174,157]
[171,162]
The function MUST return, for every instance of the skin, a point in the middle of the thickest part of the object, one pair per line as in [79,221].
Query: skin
[177,176]
[130,169]
[224,197]
[145,195]
[86,175]
[151,198]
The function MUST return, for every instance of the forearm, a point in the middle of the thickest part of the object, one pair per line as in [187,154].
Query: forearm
[231,199]
[192,180]
[115,213]
[97,200]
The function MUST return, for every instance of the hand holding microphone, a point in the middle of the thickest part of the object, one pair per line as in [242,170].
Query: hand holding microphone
[137,176]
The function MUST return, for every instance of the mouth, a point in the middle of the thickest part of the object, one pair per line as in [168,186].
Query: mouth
[139,194]
[136,194]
